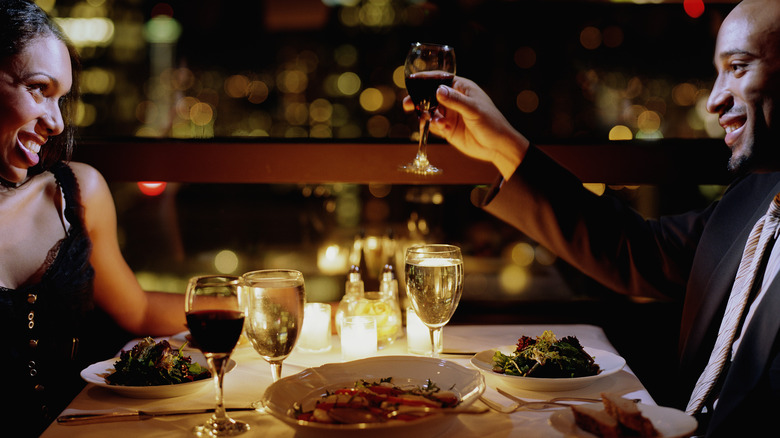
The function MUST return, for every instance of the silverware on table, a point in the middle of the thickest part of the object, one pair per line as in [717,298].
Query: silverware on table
[552,401]
[106,417]
[457,353]
[557,402]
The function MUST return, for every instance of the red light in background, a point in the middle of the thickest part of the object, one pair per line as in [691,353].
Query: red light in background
[694,8]
[150,188]
[162,9]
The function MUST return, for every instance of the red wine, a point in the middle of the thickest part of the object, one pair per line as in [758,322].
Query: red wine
[215,331]
[422,88]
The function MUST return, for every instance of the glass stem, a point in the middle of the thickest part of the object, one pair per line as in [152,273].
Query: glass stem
[276,370]
[421,161]
[217,366]
[435,336]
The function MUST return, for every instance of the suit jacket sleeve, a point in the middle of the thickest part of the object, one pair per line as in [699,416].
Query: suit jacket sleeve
[599,235]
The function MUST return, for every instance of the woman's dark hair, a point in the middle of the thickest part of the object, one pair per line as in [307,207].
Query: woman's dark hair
[22,21]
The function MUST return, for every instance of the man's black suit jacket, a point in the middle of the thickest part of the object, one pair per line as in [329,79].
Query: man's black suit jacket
[691,257]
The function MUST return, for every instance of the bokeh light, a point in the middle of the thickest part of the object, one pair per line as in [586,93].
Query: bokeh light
[226,261]
[590,37]
[527,101]
[150,188]
[348,83]
[620,132]
[694,8]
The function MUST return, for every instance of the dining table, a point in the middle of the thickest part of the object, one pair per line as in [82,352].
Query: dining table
[248,380]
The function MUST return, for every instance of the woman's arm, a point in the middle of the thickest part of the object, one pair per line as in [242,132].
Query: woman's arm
[116,289]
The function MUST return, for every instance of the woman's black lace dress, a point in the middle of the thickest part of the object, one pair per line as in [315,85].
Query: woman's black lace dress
[41,326]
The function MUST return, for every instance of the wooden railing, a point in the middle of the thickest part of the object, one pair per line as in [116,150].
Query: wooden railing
[300,161]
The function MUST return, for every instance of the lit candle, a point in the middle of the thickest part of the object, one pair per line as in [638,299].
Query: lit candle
[418,335]
[358,337]
[315,333]
[333,259]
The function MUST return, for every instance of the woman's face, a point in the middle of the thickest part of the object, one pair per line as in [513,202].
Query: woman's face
[31,86]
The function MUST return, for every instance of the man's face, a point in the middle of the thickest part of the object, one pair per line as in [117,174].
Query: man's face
[747,60]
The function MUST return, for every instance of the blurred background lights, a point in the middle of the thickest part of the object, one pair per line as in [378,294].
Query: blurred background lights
[525,57]
[612,36]
[378,126]
[527,101]
[399,79]
[684,94]
[590,37]
[345,55]
[371,99]
[513,279]
[162,29]
[649,122]
[85,114]
[348,83]
[694,8]
[84,32]
[320,110]
[292,81]
[258,92]
[226,261]
[201,114]
[237,86]
[522,254]
[97,81]
[620,132]
[149,188]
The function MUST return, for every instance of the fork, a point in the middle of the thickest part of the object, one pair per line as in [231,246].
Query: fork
[553,401]
[520,403]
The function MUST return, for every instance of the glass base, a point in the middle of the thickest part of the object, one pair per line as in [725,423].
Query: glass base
[417,169]
[226,427]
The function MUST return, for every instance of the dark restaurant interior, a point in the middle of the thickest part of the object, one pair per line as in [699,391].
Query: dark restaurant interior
[253,134]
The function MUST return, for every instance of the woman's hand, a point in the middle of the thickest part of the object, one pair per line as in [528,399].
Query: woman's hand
[469,120]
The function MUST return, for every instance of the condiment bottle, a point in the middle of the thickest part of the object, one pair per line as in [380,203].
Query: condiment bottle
[353,291]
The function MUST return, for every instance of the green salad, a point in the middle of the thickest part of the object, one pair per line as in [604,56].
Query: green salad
[150,363]
[546,356]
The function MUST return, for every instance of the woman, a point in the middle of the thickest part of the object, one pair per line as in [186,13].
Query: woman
[59,257]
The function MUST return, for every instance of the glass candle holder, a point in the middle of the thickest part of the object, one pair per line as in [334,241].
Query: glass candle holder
[358,337]
[418,336]
[315,334]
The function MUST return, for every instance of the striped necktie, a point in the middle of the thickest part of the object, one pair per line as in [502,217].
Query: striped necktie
[763,232]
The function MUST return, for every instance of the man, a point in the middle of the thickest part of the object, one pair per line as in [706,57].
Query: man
[693,256]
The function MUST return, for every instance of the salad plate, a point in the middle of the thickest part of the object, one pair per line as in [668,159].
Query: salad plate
[669,422]
[609,364]
[97,372]
[305,388]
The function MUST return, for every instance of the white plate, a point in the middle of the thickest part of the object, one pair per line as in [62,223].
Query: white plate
[179,340]
[310,384]
[97,372]
[182,339]
[608,362]
[669,422]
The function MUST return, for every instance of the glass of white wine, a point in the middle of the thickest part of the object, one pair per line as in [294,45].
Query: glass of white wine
[434,283]
[274,300]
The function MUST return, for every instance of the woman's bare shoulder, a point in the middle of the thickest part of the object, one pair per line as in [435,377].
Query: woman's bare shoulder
[90,180]
[95,195]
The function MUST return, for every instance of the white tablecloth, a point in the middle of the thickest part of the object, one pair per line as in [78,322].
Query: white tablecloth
[247,382]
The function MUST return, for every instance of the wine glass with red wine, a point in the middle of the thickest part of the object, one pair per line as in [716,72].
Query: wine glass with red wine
[215,319]
[427,67]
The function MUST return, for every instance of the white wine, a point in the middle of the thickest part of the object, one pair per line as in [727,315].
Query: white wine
[274,320]
[435,286]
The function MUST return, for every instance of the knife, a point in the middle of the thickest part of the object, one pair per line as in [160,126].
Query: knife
[79,419]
